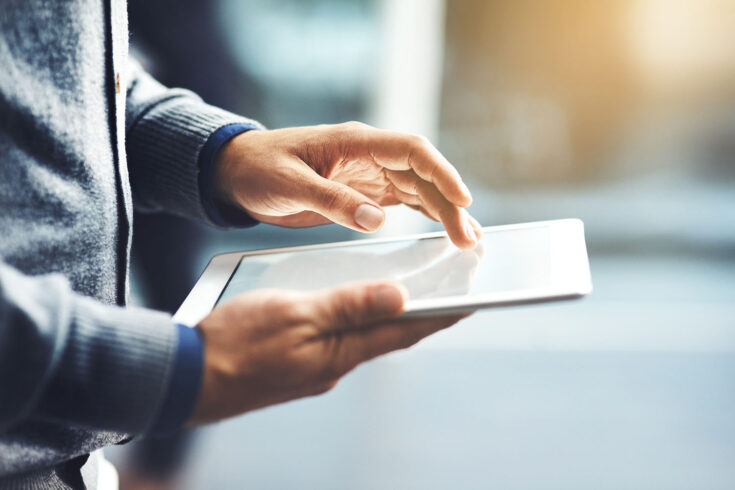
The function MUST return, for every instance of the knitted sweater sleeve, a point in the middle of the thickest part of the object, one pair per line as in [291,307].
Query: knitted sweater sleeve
[67,358]
[166,130]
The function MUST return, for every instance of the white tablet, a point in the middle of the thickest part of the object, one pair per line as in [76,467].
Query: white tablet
[513,264]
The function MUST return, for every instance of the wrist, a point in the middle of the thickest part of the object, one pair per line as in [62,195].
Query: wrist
[214,400]
[216,162]
[221,186]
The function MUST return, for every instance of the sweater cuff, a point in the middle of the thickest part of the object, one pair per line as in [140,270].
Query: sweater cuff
[184,384]
[221,214]
[114,370]
[164,148]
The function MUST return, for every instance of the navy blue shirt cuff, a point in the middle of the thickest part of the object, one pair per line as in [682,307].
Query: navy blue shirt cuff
[183,388]
[221,214]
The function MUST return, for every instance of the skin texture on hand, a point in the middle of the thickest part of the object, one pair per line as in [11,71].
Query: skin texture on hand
[344,174]
[270,346]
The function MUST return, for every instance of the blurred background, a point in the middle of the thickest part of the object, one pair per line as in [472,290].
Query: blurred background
[620,112]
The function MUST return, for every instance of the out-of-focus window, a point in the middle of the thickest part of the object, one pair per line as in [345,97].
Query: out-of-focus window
[621,113]
[313,61]
[564,91]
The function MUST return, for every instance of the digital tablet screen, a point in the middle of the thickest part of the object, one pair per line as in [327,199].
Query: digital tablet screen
[509,260]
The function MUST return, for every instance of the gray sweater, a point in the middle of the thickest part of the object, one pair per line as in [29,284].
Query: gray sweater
[84,136]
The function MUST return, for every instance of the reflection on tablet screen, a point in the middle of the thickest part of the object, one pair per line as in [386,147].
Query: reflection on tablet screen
[431,267]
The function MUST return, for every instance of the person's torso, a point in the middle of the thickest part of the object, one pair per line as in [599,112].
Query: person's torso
[64,190]
[60,187]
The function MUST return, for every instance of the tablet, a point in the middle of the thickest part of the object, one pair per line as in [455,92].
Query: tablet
[513,264]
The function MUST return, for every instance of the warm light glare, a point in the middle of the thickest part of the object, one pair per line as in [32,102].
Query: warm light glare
[684,43]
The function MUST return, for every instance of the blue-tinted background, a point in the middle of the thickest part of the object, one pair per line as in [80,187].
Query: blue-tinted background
[619,113]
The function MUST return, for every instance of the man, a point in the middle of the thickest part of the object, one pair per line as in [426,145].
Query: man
[84,136]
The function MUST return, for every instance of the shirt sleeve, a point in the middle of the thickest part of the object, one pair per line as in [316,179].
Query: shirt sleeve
[166,131]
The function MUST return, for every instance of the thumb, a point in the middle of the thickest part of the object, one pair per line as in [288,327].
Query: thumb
[359,304]
[342,204]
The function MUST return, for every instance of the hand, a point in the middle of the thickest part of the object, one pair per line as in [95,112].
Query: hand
[343,174]
[271,346]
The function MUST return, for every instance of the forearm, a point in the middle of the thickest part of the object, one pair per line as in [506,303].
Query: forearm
[68,358]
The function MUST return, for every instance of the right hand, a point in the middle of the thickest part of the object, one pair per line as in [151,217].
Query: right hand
[270,346]
[344,174]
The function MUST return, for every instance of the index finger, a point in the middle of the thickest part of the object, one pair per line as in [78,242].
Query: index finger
[401,151]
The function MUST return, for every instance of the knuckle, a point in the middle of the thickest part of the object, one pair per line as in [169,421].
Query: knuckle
[288,309]
[350,130]
[346,311]
[332,197]
[354,125]
[269,303]
[344,316]
[432,172]
[275,303]
[448,212]
[414,187]
[444,215]
[419,141]
[299,311]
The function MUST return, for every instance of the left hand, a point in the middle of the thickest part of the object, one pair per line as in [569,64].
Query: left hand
[341,173]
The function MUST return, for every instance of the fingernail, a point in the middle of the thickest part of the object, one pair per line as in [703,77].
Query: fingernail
[369,217]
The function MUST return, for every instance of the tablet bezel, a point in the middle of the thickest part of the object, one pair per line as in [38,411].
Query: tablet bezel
[570,274]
